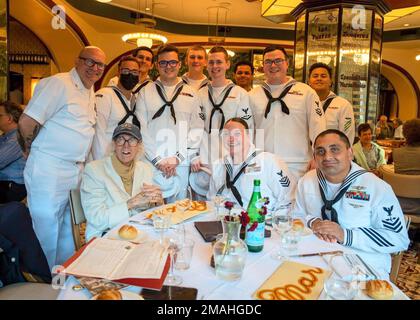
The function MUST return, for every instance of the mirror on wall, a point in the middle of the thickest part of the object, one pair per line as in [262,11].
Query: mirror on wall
[3,50]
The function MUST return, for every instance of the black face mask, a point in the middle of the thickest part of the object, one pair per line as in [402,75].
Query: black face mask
[129,81]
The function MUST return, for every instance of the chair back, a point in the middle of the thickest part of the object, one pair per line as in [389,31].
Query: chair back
[397,257]
[77,217]
[404,185]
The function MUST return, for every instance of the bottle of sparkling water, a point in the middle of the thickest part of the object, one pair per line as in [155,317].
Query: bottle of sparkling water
[255,239]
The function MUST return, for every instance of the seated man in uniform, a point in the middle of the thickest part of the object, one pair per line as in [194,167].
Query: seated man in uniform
[346,204]
[234,175]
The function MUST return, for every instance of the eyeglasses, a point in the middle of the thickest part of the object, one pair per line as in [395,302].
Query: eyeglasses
[165,63]
[132,142]
[142,57]
[128,71]
[277,61]
[90,63]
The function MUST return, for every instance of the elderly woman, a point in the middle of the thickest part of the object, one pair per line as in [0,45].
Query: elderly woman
[112,188]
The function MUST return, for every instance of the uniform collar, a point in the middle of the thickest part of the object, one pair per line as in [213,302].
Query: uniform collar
[227,86]
[77,81]
[8,134]
[290,81]
[330,95]
[249,158]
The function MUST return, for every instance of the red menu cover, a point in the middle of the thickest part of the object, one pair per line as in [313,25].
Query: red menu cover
[156,284]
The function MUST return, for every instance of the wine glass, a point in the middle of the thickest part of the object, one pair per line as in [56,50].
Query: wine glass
[218,200]
[185,204]
[174,243]
[162,221]
[282,223]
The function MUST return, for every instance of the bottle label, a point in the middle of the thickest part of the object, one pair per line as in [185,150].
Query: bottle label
[257,189]
[256,237]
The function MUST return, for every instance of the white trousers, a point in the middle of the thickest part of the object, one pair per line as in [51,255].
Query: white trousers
[48,181]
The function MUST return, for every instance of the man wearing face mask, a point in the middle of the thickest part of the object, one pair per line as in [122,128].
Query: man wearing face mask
[115,105]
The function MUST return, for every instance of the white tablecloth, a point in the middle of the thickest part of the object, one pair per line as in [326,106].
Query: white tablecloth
[259,266]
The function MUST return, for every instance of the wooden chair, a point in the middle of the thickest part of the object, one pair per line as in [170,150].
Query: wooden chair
[397,257]
[77,217]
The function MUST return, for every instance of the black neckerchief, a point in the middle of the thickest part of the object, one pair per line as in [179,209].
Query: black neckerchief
[167,103]
[327,103]
[230,183]
[146,82]
[217,107]
[328,204]
[129,113]
[271,100]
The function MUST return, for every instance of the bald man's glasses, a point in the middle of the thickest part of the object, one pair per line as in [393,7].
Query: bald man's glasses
[90,63]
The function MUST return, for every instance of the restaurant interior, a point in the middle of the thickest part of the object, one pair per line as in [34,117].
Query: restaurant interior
[376,68]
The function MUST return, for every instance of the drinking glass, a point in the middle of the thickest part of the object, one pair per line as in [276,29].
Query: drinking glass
[174,243]
[218,200]
[282,223]
[161,223]
[339,289]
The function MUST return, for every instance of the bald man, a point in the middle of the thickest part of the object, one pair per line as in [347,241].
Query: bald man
[56,132]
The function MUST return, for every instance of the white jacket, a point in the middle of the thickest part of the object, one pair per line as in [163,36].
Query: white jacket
[276,181]
[109,112]
[103,196]
[339,115]
[162,137]
[369,213]
[289,136]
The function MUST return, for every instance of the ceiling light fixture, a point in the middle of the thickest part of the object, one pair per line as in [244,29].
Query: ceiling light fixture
[145,38]
[418,57]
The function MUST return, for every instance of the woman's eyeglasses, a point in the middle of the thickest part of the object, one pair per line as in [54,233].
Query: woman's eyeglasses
[132,142]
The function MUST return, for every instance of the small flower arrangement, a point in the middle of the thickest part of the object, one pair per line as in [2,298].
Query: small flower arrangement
[244,217]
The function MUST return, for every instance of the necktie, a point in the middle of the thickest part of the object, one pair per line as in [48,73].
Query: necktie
[217,107]
[284,107]
[167,103]
[327,103]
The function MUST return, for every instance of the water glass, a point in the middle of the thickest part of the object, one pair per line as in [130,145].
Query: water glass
[218,201]
[184,255]
[281,224]
[338,289]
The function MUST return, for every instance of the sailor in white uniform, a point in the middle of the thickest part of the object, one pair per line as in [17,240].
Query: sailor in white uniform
[145,56]
[346,204]
[59,120]
[171,119]
[288,111]
[221,100]
[196,60]
[338,111]
[115,105]
[233,176]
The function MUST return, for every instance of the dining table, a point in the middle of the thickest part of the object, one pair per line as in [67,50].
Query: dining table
[201,275]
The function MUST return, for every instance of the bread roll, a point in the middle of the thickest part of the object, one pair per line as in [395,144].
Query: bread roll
[297,225]
[111,294]
[127,232]
[379,289]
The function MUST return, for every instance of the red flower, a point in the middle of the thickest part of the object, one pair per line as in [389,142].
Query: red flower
[244,218]
[253,226]
[229,205]
[263,210]
[229,218]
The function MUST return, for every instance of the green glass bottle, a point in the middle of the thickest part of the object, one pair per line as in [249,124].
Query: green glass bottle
[255,239]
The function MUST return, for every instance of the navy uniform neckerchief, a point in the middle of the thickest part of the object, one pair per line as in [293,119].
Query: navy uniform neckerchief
[327,103]
[329,204]
[129,113]
[167,103]
[218,106]
[143,84]
[271,100]
[230,183]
